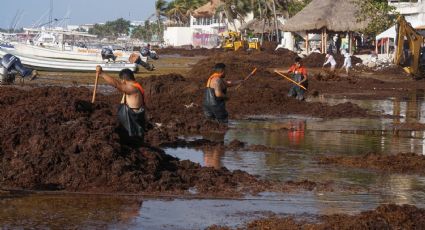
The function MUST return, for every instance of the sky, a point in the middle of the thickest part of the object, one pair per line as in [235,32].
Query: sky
[81,11]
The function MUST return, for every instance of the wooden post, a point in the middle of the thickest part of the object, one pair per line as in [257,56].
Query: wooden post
[388,47]
[326,41]
[322,49]
[350,43]
[382,47]
[376,46]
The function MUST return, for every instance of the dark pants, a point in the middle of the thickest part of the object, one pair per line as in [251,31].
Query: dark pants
[109,56]
[295,90]
[131,141]
[144,64]
[216,112]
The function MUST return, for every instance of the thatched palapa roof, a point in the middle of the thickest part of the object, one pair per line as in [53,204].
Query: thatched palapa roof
[334,15]
[208,10]
[257,25]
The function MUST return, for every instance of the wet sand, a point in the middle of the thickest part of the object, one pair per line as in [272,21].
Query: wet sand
[35,157]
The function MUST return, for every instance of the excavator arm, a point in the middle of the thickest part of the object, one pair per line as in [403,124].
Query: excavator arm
[408,50]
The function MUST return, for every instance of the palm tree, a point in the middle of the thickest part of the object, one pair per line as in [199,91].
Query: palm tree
[177,12]
[160,6]
[192,5]
[235,9]
[180,10]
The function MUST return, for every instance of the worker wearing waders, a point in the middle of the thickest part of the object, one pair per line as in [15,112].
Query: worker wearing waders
[131,112]
[11,65]
[299,74]
[214,104]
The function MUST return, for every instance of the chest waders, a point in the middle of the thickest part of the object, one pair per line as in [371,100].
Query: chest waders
[214,108]
[295,90]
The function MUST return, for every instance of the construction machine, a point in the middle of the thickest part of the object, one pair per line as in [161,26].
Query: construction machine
[234,41]
[409,51]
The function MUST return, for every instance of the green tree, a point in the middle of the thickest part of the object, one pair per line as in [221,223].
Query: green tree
[293,7]
[236,10]
[111,29]
[179,11]
[160,7]
[380,15]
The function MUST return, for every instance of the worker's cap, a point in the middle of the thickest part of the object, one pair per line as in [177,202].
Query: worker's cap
[219,67]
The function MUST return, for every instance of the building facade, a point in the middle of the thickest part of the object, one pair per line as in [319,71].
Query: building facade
[412,10]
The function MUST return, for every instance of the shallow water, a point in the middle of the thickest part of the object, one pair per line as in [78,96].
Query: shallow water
[298,142]
[410,108]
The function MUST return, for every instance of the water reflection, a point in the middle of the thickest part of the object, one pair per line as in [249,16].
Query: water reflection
[408,109]
[212,157]
[68,211]
[340,136]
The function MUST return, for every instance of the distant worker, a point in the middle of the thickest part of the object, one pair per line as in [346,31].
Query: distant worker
[214,104]
[131,113]
[317,50]
[142,58]
[330,60]
[11,65]
[347,62]
[107,54]
[299,74]
[147,52]
[281,45]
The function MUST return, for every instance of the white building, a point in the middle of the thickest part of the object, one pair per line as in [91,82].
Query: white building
[413,10]
[137,23]
[205,27]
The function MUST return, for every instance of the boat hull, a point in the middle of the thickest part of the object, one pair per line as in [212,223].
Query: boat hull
[51,64]
[78,54]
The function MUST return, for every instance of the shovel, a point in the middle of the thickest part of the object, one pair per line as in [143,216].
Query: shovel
[247,77]
[289,79]
[95,84]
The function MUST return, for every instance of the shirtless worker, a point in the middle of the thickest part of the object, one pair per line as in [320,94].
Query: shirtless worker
[214,104]
[131,112]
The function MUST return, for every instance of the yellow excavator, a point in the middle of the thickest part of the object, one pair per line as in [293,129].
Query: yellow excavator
[409,52]
[234,41]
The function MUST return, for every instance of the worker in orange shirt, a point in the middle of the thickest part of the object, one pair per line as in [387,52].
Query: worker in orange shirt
[299,74]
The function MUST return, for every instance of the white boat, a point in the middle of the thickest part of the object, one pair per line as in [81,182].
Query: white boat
[77,53]
[50,64]
[49,43]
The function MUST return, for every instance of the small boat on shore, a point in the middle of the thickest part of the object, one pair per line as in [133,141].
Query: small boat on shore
[66,53]
[52,64]
[51,43]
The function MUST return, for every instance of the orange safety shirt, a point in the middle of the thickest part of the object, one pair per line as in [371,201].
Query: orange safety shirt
[142,91]
[302,70]
[214,76]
